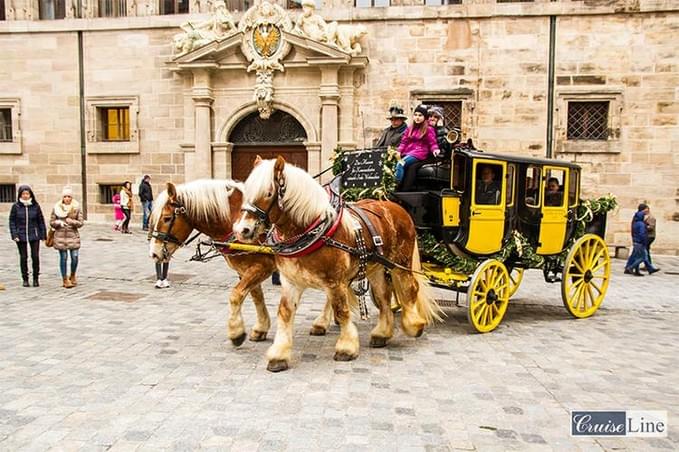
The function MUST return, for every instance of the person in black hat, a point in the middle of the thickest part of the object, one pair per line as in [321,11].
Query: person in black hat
[391,136]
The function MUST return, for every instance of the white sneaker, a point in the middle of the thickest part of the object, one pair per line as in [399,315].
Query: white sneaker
[165,284]
[159,284]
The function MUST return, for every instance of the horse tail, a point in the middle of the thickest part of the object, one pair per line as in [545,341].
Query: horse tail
[425,303]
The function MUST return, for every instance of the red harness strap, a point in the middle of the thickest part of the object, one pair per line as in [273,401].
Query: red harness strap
[319,242]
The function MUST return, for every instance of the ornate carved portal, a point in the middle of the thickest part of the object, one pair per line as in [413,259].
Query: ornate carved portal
[281,134]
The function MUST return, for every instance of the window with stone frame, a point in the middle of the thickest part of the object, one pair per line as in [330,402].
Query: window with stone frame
[442,2]
[174,7]
[587,120]
[52,9]
[371,3]
[8,192]
[2,10]
[112,125]
[106,192]
[115,123]
[6,124]
[112,8]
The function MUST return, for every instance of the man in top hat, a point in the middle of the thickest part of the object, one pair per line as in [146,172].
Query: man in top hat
[391,136]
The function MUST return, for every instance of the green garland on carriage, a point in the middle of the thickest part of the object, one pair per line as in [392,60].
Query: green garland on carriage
[518,248]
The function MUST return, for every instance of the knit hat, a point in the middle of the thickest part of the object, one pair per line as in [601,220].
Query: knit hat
[435,111]
[67,191]
[421,109]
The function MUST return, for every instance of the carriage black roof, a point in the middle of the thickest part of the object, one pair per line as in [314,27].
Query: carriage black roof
[516,158]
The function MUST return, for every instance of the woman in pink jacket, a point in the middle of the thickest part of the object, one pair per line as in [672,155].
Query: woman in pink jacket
[418,142]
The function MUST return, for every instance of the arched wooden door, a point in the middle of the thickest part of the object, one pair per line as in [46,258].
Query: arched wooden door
[281,134]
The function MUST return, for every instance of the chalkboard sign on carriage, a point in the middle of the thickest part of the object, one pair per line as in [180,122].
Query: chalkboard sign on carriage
[364,169]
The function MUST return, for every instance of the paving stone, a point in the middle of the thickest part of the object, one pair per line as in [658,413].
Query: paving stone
[157,372]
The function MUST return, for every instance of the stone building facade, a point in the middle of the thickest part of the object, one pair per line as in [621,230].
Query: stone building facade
[66,84]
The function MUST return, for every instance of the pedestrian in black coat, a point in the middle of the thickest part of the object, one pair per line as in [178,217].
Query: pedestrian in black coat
[27,228]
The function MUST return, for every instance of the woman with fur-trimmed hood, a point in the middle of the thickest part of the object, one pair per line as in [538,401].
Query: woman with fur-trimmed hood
[66,219]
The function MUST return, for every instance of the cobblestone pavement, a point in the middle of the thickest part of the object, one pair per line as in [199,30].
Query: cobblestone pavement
[149,369]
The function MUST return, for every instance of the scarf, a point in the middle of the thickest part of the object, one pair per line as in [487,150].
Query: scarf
[25,202]
[62,210]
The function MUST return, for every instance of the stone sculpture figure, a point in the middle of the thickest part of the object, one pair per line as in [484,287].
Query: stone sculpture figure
[343,37]
[219,25]
[263,94]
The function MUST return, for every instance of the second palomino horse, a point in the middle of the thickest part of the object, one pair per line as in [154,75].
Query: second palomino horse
[211,207]
[290,199]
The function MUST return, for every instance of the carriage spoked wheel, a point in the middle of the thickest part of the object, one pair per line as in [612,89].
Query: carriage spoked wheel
[586,274]
[488,296]
[515,278]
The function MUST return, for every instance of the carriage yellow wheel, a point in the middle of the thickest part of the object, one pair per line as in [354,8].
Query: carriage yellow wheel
[515,278]
[488,296]
[586,274]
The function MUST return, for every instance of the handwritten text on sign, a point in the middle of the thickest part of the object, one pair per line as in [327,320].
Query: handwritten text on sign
[365,169]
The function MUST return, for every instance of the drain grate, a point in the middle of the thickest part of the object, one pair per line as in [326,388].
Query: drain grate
[102,239]
[109,295]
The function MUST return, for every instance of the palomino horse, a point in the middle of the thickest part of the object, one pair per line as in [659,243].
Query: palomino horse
[290,199]
[211,207]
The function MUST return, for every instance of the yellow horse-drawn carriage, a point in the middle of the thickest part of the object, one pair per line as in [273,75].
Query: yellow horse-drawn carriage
[484,218]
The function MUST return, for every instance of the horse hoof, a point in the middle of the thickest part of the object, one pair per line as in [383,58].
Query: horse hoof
[277,365]
[378,342]
[343,356]
[317,331]
[257,336]
[237,341]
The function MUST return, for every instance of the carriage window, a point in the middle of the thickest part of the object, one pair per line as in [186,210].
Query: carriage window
[459,172]
[554,183]
[509,199]
[573,182]
[533,178]
[488,184]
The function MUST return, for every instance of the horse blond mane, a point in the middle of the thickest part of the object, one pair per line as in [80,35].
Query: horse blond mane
[205,200]
[304,199]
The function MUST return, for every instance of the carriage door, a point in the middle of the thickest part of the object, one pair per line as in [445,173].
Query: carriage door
[554,211]
[487,207]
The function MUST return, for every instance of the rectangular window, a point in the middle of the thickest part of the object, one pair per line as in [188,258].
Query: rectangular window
[573,187]
[442,2]
[459,172]
[2,10]
[106,192]
[6,124]
[112,8]
[533,179]
[115,123]
[488,184]
[8,192]
[587,120]
[509,198]
[52,9]
[554,182]
[238,5]
[372,3]
[174,6]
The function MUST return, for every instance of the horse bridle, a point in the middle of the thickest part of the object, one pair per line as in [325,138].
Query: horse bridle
[261,214]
